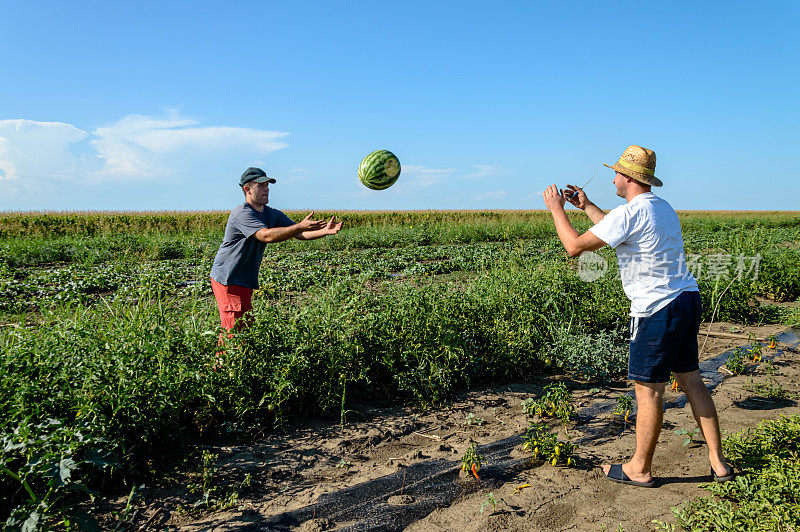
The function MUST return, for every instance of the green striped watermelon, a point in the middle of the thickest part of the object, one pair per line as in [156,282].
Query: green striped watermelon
[379,170]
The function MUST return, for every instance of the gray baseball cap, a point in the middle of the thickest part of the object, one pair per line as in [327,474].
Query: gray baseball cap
[256,175]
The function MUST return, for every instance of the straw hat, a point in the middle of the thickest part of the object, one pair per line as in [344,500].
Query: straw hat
[638,163]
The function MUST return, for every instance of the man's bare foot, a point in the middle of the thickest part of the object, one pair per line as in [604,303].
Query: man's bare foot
[721,469]
[637,476]
[720,466]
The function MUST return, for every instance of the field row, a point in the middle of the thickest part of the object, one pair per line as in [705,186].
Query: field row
[108,355]
[91,224]
[701,235]
[775,275]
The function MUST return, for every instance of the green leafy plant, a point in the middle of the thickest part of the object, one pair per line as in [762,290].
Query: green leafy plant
[791,317]
[770,389]
[343,463]
[737,361]
[755,350]
[673,383]
[769,368]
[206,484]
[556,402]
[491,500]
[624,406]
[544,444]
[213,494]
[472,420]
[764,495]
[594,356]
[54,475]
[772,341]
[779,276]
[471,460]
[689,435]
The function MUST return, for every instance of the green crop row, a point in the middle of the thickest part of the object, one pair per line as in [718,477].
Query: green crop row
[148,236]
[91,224]
[765,494]
[32,251]
[101,389]
[36,287]
[775,275]
[109,341]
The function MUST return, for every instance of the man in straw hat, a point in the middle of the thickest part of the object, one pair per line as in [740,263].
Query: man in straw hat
[665,304]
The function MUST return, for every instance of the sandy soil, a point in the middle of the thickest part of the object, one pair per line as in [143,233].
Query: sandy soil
[292,471]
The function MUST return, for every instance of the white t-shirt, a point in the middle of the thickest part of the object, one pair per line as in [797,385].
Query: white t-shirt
[646,235]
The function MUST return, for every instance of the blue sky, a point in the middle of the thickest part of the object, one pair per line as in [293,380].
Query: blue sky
[162,105]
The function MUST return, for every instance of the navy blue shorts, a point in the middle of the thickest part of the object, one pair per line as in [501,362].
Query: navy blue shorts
[666,341]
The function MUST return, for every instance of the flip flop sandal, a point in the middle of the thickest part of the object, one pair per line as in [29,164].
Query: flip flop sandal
[618,475]
[724,478]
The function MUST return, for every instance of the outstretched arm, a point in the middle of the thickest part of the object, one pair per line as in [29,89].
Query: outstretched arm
[279,234]
[331,228]
[574,243]
[578,197]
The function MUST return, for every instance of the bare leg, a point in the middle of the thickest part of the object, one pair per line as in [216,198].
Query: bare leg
[649,418]
[705,413]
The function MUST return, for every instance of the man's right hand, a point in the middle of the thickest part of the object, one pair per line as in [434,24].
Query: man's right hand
[307,224]
[577,197]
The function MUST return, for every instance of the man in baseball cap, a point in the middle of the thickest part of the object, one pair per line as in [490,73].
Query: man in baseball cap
[254,175]
[251,226]
[665,310]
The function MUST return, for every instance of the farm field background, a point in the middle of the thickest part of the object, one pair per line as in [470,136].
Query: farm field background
[109,328]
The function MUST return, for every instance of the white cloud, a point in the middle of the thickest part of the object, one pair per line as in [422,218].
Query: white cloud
[294,175]
[423,176]
[38,150]
[492,195]
[485,170]
[48,164]
[139,146]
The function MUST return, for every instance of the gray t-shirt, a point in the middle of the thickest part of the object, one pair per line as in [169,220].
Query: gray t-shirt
[240,253]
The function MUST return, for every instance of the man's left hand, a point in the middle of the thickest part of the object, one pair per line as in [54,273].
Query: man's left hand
[331,228]
[553,198]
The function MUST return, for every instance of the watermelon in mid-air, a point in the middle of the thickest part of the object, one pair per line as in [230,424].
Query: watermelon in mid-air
[379,170]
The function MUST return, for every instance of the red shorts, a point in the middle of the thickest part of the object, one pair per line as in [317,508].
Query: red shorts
[233,301]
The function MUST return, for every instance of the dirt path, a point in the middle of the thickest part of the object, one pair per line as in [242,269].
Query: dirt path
[295,472]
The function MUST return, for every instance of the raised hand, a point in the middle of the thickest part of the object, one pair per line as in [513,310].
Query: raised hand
[553,198]
[307,224]
[576,196]
[332,227]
